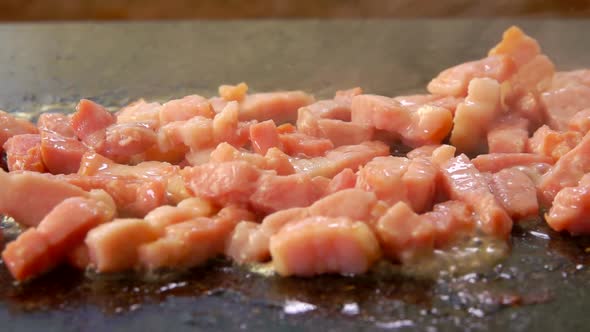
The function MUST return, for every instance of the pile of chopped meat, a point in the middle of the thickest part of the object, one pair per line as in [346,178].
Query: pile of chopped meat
[309,185]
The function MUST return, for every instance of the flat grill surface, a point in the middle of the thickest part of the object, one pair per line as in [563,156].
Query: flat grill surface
[542,285]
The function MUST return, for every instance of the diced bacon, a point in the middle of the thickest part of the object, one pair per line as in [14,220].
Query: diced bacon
[563,103]
[422,151]
[452,220]
[328,109]
[571,208]
[516,192]
[298,144]
[264,136]
[495,162]
[65,226]
[28,255]
[226,127]
[249,241]
[223,182]
[535,76]
[133,196]
[274,193]
[508,135]
[529,107]
[404,235]
[553,144]
[380,112]
[343,180]
[141,112]
[566,172]
[60,231]
[277,160]
[113,247]
[233,92]
[354,204]
[196,133]
[90,121]
[455,80]
[57,123]
[286,128]
[274,159]
[247,244]
[395,179]
[383,176]
[319,245]
[425,125]
[568,78]
[347,156]
[338,131]
[203,156]
[29,196]
[185,108]
[186,244]
[23,153]
[11,126]
[516,44]
[61,155]
[123,141]
[166,215]
[345,96]
[474,116]
[465,183]
[580,122]
[217,103]
[442,154]
[278,106]
[420,183]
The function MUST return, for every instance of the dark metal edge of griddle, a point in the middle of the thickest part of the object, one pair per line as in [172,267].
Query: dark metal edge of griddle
[542,285]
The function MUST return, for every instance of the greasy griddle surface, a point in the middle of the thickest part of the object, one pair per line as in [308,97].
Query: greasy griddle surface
[543,284]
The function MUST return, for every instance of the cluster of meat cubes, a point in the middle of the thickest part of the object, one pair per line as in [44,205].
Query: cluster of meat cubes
[309,185]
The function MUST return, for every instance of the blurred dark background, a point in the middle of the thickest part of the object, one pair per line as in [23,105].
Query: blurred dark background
[33,10]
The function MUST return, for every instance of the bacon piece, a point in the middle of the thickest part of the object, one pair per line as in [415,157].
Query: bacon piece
[319,245]
[142,112]
[516,192]
[233,92]
[455,80]
[11,126]
[473,117]
[508,135]
[61,155]
[465,183]
[57,123]
[452,220]
[566,172]
[347,156]
[23,153]
[24,196]
[426,125]
[570,209]
[273,193]
[90,122]
[264,136]
[494,162]
[553,144]
[517,45]
[112,247]
[404,235]
[297,144]
[185,108]
[223,182]
[278,106]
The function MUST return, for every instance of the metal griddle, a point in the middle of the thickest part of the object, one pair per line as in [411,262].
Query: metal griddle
[543,285]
